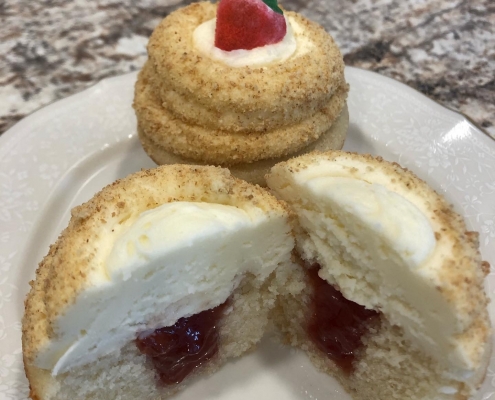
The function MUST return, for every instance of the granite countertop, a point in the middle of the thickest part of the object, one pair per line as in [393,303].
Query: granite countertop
[51,49]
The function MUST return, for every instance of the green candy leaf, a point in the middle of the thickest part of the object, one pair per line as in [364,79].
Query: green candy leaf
[273,5]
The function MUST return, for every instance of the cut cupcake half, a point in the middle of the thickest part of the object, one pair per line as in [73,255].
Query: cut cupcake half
[388,296]
[160,277]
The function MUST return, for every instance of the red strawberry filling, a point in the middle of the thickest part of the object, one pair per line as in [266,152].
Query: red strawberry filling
[247,24]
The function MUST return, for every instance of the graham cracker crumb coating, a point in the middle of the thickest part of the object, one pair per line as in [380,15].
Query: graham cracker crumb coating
[332,139]
[205,110]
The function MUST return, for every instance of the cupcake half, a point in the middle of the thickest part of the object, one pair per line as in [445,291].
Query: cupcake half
[159,278]
[388,295]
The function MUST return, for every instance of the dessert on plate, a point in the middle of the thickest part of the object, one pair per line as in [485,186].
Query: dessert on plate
[164,275]
[160,277]
[388,295]
[241,84]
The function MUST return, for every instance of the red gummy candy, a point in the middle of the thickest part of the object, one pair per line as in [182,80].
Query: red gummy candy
[247,24]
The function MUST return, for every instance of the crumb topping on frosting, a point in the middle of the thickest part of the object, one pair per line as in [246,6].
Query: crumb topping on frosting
[205,110]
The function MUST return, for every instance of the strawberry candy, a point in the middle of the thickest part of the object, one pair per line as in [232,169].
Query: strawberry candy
[246,24]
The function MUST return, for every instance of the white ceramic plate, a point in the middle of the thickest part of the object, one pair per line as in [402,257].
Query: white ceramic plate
[61,155]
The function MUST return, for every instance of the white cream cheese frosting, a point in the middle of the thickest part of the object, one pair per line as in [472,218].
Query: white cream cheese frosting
[294,43]
[376,242]
[172,261]
[402,228]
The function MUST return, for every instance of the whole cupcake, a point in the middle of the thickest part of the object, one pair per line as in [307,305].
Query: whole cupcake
[240,84]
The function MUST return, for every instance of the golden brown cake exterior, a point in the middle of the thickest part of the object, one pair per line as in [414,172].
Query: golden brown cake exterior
[67,272]
[393,362]
[203,110]
[254,172]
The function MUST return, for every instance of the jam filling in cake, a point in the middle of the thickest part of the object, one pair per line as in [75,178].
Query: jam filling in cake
[177,350]
[336,325]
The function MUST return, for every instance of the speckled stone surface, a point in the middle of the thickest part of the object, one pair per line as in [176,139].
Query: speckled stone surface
[50,49]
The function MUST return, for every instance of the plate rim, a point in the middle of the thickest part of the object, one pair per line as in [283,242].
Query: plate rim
[6,135]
